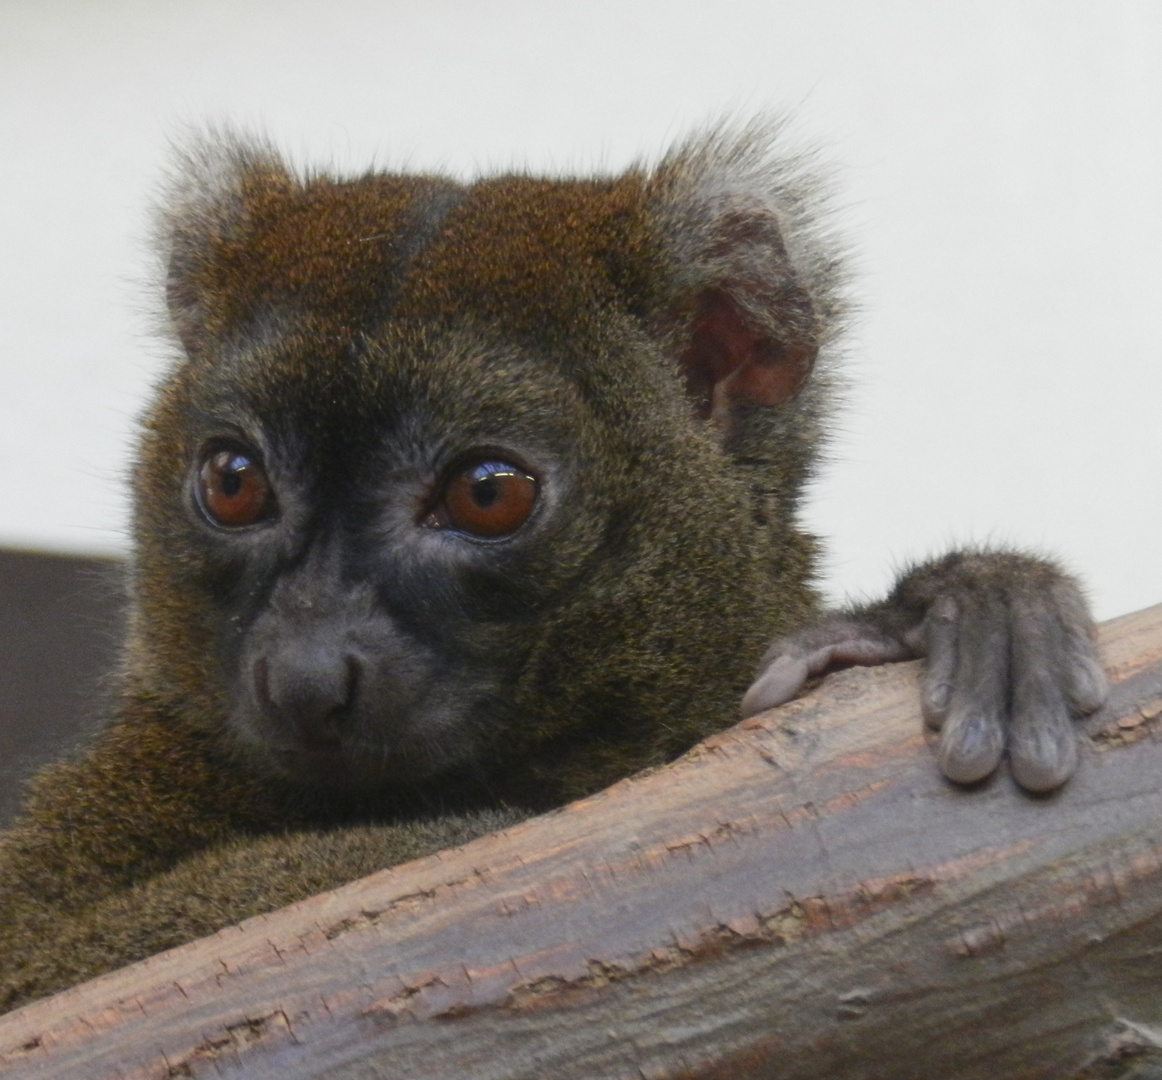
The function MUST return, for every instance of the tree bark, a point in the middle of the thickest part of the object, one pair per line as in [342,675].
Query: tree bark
[802,896]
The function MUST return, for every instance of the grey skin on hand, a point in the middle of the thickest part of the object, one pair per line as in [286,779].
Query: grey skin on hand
[1010,661]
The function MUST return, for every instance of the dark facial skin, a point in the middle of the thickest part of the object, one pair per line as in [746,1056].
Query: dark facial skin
[372,605]
[373,629]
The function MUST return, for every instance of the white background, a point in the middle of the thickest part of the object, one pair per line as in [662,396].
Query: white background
[1000,170]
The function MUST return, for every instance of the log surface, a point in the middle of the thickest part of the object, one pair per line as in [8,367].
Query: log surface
[802,896]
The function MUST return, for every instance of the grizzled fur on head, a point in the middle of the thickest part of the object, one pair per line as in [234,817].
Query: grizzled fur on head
[652,346]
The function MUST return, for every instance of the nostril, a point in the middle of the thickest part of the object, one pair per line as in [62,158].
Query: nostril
[306,687]
[260,673]
[354,678]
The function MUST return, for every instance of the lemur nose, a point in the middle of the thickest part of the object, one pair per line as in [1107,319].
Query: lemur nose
[308,685]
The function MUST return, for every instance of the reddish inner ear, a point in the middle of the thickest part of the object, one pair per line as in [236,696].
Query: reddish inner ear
[729,360]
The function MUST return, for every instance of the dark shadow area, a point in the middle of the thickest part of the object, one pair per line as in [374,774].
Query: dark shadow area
[61,623]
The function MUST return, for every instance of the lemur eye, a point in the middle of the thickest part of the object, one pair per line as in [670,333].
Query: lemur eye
[486,499]
[233,489]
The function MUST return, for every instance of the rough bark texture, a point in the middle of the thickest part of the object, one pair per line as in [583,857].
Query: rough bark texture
[800,897]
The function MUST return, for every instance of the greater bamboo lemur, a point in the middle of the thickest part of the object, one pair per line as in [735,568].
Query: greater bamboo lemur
[461,501]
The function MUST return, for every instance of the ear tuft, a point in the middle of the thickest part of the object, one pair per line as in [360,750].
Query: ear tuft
[215,176]
[752,290]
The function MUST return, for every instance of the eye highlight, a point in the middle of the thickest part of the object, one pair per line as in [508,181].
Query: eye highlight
[486,498]
[233,489]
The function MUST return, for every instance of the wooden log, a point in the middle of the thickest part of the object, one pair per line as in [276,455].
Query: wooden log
[802,896]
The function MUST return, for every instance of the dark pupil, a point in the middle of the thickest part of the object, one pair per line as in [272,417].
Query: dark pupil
[485,491]
[231,479]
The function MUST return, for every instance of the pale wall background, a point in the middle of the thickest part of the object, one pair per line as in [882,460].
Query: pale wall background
[1000,170]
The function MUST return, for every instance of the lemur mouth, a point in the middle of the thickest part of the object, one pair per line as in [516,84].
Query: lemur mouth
[322,756]
[322,747]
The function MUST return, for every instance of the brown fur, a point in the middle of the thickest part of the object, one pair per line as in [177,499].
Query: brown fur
[345,313]
[656,349]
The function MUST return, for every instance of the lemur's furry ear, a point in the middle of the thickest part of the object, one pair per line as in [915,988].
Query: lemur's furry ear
[217,182]
[749,294]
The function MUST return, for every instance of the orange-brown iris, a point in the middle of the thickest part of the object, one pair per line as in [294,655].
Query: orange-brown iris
[233,489]
[486,499]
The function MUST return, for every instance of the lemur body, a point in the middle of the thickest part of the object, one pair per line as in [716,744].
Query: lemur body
[465,500]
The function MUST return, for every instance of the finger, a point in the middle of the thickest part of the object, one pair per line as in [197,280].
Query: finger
[939,632]
[1086,683]
[972,739]
[1042,740]
[782,679]
[832,643]
[1043,746]
[972,743]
